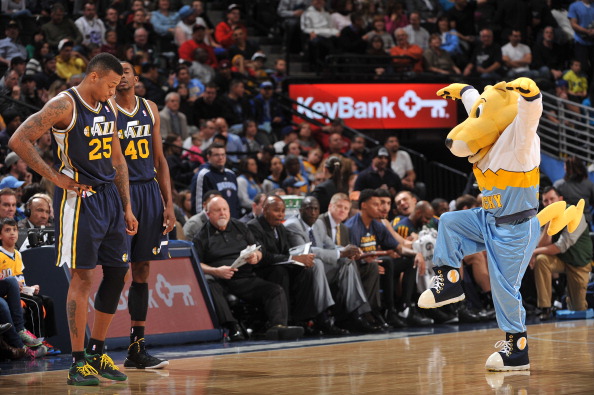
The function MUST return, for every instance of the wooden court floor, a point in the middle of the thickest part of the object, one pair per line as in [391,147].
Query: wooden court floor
[562,359]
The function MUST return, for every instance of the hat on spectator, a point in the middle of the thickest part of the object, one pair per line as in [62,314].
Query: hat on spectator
[561,83]
[11,159]
[13,23]
[224,64]
[293,183]
[233,7]
[382,151]
[17,60]
[65,42]
[259,55]
[10,182]
[288,130]
[185,11]
[266,84]
[198,27]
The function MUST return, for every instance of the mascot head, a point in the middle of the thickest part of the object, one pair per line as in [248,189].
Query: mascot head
[492,112]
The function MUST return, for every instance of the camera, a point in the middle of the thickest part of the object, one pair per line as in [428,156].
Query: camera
[40,237]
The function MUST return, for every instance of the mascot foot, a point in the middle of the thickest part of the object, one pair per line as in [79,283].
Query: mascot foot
[513,354]
[446,288]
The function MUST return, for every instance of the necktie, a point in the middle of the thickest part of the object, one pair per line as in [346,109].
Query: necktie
[311,237]
[337,241]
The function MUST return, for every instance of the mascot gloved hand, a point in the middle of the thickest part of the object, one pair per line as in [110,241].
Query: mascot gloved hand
[499,139]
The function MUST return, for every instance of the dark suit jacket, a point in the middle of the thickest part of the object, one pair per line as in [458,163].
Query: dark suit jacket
[344,231]
[273,250]
[324,193]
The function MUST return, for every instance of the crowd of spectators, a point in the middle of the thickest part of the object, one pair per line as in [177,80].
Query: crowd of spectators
[236,157]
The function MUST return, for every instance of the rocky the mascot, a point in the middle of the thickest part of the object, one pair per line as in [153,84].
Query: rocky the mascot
[499,138]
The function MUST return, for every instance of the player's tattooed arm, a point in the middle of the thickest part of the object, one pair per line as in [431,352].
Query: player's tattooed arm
[56,112]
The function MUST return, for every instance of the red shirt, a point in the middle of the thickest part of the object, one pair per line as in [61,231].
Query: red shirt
[414,51]
[224,34]
[186,52]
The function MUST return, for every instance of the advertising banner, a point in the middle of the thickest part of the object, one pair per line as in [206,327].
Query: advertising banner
[377,106]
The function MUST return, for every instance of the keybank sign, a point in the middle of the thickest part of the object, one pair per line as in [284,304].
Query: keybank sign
[377,106]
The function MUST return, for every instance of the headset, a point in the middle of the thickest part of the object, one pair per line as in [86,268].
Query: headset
[27,210]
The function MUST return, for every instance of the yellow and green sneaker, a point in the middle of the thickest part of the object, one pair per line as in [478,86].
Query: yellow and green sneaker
[81,373]
[105,367]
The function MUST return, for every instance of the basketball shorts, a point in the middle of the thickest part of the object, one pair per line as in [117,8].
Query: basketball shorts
[149,243]
[90,230]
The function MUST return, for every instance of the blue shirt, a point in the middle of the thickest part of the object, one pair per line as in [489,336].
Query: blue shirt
[585,18]
[374,238]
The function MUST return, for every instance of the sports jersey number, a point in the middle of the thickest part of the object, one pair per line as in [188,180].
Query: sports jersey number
[101,148]
[140,148]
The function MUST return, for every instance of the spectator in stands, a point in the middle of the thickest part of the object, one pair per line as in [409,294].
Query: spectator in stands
[200,69]
[90,26]
[512,14]
[276,177]
[437,60]
[569,253]
[288,134]
[172,120]
[196,222]
[335,145]
[11,46]
[214,175]
[140,21]
[247,185]
[217,255]
[351,308]
[224,30]
[186,50]
[48,73]
[548,57]
[305,138]
[143,46]
[576,185]
[395,16]
[8,198]
[337,181]
[409,56]
[517,57]
[195,86]
[359,154]
[12,120]
[180,170]
[150,79]
[241,45]
[379,175]
[207,106]
[184,28]
[305,286]
[17,168]
[69,62]
[203,19]
[317,24]
[417,35]
[290,12]
[400,162]
[234,144]
[60,27]
[164,21]
[266,109]
[461,18]
[578,83]
[582,22]
[352,38]
[486,59]
[341,17]
[236,105]
[113,22]
[379,30]
[111,43]
[450,42]
[10,89]
[36,51]
[312,162]
[30,94]
[293,168]
[250,137]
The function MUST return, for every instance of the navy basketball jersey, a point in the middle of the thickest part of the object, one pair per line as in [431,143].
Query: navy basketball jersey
[136,136]
[82,151]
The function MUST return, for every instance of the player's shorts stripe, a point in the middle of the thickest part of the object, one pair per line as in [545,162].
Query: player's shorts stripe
[75,235]
[61,226]
[68,227]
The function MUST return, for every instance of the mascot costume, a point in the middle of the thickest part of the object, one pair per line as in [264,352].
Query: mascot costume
[499,138]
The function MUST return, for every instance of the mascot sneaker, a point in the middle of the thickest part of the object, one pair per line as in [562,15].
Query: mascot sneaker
[446,288]
[512,356]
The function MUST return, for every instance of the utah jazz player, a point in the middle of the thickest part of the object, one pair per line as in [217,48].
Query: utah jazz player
[138,129]
[91,202]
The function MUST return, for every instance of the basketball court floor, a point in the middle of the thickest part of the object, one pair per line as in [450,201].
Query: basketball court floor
[444,359]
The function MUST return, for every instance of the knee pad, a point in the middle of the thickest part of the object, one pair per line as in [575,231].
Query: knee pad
[138,301]
[108,294]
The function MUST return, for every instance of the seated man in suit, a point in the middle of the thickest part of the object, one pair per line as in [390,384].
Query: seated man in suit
[219,243]
[305,285]
[341,270]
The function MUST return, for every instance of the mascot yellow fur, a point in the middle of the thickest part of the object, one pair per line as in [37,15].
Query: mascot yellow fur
[499,138]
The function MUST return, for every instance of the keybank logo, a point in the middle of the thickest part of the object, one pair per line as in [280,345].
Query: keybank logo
[346,107]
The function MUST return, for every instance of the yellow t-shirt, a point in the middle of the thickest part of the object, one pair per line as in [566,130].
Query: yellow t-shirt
[67,69]
[11,265]
[577,83]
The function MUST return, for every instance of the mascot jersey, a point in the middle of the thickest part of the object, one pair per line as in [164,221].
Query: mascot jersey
[508,175]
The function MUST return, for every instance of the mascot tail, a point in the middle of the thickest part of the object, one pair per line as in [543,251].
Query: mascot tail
[560,216]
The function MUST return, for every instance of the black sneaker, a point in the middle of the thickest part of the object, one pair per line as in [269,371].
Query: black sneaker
[446,288]
[139,358]
[81,373]
[513,354]
[105,367]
